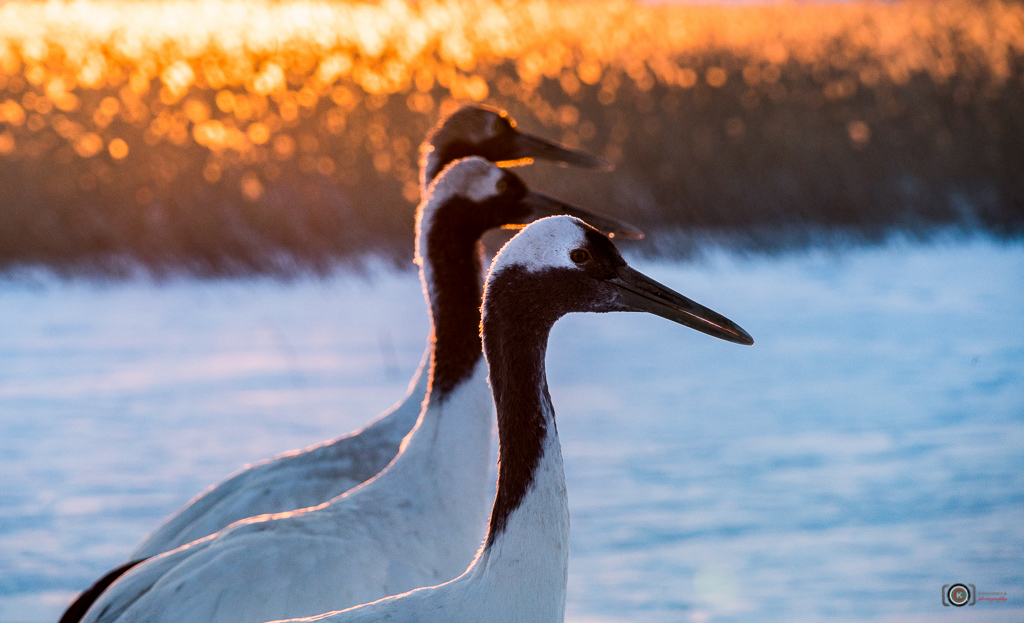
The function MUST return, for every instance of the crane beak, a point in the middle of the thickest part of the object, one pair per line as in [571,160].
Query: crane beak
[528,146]
[542,206]
[638,292]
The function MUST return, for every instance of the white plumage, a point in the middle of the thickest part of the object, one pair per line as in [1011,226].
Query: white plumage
[297,479]
[309,477]
[417,523]
[382,538]
[555,266]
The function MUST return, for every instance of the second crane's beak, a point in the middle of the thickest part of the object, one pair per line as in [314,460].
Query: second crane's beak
[529,146]
[542,206]
[638,292]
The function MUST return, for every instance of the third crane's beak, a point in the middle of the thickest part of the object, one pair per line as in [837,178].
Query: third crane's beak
[542,206]
[638,292]
[529,146]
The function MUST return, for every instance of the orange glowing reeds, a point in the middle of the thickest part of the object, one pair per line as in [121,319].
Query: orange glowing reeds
[298,52]
[141,103]
[388,47]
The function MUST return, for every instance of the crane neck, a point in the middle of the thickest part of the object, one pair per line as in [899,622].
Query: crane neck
[451,269]
[527,547]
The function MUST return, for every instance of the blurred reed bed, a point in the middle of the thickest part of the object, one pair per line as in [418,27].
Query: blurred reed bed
[224,137]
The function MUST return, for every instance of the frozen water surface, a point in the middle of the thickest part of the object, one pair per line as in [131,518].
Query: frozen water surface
[868,449]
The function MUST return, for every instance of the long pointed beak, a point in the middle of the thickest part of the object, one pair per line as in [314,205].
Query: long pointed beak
[543,206]
[529,146]
[638,292]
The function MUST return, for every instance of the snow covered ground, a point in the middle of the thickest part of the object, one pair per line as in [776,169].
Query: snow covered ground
[868,449]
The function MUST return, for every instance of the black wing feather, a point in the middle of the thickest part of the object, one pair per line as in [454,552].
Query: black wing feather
[80,606]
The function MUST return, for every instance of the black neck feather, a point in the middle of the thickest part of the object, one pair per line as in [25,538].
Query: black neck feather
[453,249]
[492,149]
[516,335]
[76,611]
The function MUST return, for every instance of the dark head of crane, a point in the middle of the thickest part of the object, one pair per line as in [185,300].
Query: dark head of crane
[476,195]
[490,133]
[568,256]
[554,267]
[468,198]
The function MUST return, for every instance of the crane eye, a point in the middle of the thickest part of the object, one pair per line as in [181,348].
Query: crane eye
[579,256]
[502,186]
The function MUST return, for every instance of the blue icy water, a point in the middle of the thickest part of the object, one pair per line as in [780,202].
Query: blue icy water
[868,449]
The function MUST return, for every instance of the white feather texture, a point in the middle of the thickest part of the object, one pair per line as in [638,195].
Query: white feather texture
[304,478]
[521,576]
[473,178]
[548,246]
[296,479]
[419,522]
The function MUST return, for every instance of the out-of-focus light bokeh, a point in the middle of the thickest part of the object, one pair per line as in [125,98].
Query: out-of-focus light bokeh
[221,136]
[865,452]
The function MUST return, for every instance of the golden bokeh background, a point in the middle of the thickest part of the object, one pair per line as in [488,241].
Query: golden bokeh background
[224,136]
